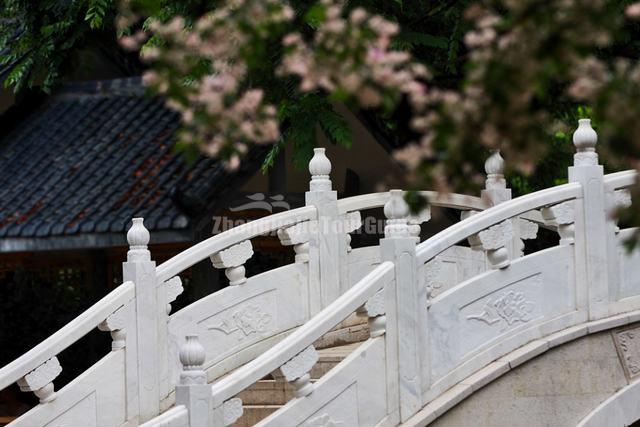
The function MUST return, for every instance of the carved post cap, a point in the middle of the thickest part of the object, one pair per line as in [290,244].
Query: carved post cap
[192,353]
[397,212]
[138,235]
[138,239]
[585,140]
[494,165]
[396,207]
[320,168]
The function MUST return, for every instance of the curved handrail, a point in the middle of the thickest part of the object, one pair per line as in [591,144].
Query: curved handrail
[176,416]
[304,336]
[446,200]
[67,335]
[616,180]
[228,238]
[494,215]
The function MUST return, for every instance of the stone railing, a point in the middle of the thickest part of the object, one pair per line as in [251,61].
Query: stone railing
[424,346]
[438,311]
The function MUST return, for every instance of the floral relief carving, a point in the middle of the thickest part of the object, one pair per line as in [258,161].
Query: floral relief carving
[510,306]
[375,305]
[623,198]
[562,213]
[295,234]
[324,420]
[248,320]
[497,236]
[351,222]
[232,410]
[528,229]
[628,345]
[41,376]
[173,288]
[300,364]
[115,321]
[233,256]
[432,270]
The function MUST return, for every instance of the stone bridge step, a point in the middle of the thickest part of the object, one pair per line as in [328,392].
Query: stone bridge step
[267,396]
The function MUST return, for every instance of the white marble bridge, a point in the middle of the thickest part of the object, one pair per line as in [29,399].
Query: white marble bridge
[463,326]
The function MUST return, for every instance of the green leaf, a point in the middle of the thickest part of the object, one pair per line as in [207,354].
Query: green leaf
[269,161]
[315,15]
[96,13]
[409,39]
[335,127]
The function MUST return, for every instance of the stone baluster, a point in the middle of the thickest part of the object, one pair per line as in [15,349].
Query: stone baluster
[376,315]
[432,270]
[622,200]
[192,391]
[142,357]
[40,380]
[298,370]
[416,220]
[233,259]
[562,215]
[297,235]
[405,306]
[115,324]
[326,244]
[173,288]
[494,241]
[474,241]
[592,242]
[351,221]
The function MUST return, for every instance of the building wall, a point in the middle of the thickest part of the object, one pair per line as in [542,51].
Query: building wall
[371,162]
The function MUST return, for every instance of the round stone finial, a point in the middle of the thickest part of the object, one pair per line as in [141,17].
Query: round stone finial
[320,168]
[397,212]
[138,235]
[396,207]
[585,140]
[319,164]
[192,353]
[494,165]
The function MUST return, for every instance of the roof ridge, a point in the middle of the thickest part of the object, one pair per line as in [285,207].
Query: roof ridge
[126,86]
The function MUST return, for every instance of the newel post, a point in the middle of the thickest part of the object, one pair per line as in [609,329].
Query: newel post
[145,350]
[193,391]
[590,223]
[406,312]
[324,238]
[496,192]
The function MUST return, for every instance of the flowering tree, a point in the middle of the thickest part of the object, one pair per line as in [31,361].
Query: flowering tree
[531,68]
[513,74]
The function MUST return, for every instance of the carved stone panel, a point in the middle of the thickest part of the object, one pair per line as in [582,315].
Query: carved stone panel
[246,320]
[323,420]
[510,306]
[628,346]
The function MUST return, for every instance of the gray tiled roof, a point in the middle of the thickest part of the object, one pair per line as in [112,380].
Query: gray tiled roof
[94,156]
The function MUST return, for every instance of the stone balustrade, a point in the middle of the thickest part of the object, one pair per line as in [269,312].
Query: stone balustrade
[438,311]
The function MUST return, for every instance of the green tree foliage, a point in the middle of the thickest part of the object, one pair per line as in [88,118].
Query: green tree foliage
[39,39]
